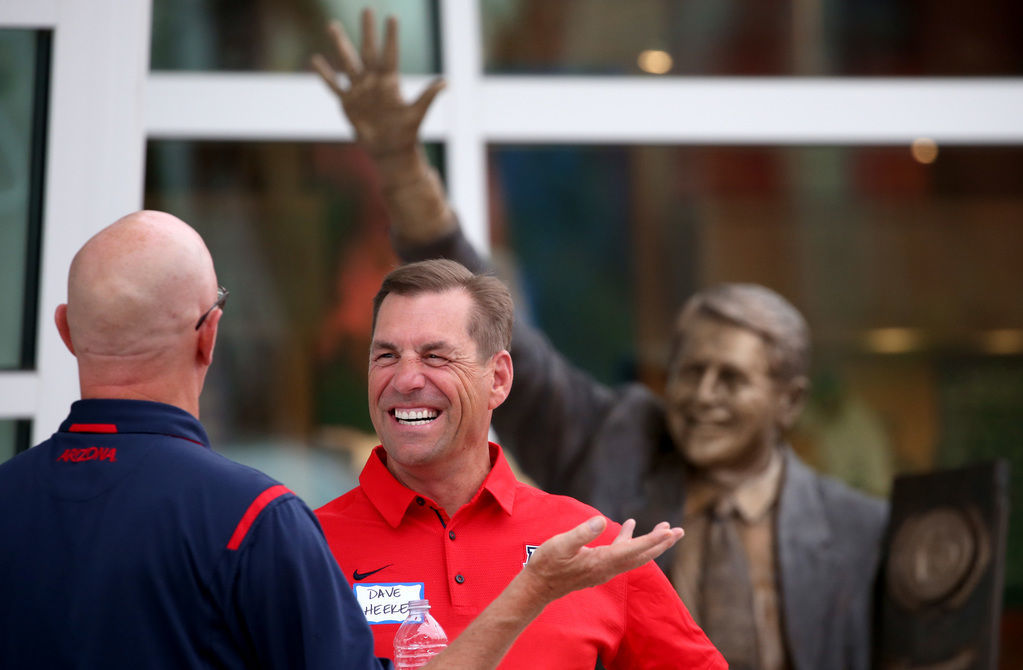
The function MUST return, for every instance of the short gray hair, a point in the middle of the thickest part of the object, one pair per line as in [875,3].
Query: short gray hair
[761,310]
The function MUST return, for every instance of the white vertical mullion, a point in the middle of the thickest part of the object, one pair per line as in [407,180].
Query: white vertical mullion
[19,389]
[94,162]
[461,49]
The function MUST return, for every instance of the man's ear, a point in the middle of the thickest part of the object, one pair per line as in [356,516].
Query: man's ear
[503,374]
[791,400]
[60,317]
[207,339]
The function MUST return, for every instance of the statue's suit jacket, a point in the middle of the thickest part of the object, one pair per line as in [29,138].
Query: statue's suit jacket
[611,448]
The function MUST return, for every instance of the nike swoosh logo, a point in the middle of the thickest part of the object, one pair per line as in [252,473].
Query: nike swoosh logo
[359,576]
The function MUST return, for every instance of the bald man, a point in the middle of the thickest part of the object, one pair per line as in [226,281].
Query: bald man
[127,542]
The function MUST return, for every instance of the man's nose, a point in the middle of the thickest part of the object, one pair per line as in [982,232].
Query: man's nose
[408,376]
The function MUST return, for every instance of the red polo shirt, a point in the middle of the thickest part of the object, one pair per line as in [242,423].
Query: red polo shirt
[394,545]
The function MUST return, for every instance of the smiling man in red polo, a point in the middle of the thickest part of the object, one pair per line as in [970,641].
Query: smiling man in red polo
[439,514]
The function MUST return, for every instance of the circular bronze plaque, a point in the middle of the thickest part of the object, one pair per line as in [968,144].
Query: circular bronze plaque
[936,556]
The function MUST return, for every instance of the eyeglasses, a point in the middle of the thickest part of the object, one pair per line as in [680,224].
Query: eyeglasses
[222,294]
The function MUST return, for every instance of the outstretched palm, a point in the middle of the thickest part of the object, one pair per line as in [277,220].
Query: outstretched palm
[384,123]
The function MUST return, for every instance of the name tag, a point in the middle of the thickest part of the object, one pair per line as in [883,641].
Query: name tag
[387,603]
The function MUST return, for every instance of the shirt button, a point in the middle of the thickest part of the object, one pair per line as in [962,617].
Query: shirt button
[420,501]
[459,578]
[451,534]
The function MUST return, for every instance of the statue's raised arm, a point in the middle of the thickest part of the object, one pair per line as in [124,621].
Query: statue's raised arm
[387,127]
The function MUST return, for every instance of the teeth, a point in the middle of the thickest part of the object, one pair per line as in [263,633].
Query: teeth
[415,415]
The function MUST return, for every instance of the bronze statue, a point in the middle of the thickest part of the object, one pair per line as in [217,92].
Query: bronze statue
[779,562]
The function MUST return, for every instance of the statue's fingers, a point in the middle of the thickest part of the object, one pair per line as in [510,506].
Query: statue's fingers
[369,40]
[389,58]
[425,99]
[327,74]
[351,65]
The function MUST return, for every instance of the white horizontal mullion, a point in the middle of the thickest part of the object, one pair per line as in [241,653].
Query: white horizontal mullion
[256,106]
[742,110]
[28,13]
[18,394]
[724,110]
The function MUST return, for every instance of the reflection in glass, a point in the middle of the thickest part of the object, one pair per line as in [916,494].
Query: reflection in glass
[299,234]
[729,37]
[908,273]
[7,439]
[280,35]
[14,435]
[21,113]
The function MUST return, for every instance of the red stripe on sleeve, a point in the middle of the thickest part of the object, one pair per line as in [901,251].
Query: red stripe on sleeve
[92,428]
[261,501]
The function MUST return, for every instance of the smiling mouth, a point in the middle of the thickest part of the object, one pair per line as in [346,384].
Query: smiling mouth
[414,417]
[706,425]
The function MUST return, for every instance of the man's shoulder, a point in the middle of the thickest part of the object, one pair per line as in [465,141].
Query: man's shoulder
[839,495]
[215,469]
[557,511]
[22,460]
[211,490]
[168,463]
[531,498]
[846,508]
[18,469]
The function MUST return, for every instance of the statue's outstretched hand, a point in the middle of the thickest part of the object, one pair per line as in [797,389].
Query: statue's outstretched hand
[384,123]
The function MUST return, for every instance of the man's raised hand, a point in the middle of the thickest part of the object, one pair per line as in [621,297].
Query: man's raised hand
[564,563]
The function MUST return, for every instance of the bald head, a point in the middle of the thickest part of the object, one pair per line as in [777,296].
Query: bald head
[135,292]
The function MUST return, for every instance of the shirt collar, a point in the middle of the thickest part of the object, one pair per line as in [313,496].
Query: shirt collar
[115,415]
[752,499]
[392,499]
[501,482]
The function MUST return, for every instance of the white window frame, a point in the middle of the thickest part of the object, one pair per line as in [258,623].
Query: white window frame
[95,143]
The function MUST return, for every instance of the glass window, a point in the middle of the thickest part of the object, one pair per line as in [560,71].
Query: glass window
[280,35]
[24,73]
[729,37]
[14,436]
[298,232]
[905,265]
[980,401]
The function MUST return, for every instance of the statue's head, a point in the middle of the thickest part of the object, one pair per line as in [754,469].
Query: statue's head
[737,377]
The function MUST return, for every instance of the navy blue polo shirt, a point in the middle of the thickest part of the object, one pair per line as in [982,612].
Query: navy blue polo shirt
[125,541]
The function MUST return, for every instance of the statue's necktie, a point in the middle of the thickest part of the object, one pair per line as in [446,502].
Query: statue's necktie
[726,594]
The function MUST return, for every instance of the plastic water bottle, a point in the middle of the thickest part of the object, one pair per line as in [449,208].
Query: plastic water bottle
[419,637]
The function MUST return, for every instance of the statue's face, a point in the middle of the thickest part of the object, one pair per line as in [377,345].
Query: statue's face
[724,408]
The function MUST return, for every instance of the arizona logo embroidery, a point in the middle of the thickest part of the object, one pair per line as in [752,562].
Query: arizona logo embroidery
[89,454]
[530,548]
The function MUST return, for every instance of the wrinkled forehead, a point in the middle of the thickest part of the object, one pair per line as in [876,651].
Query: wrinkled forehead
[424,315]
